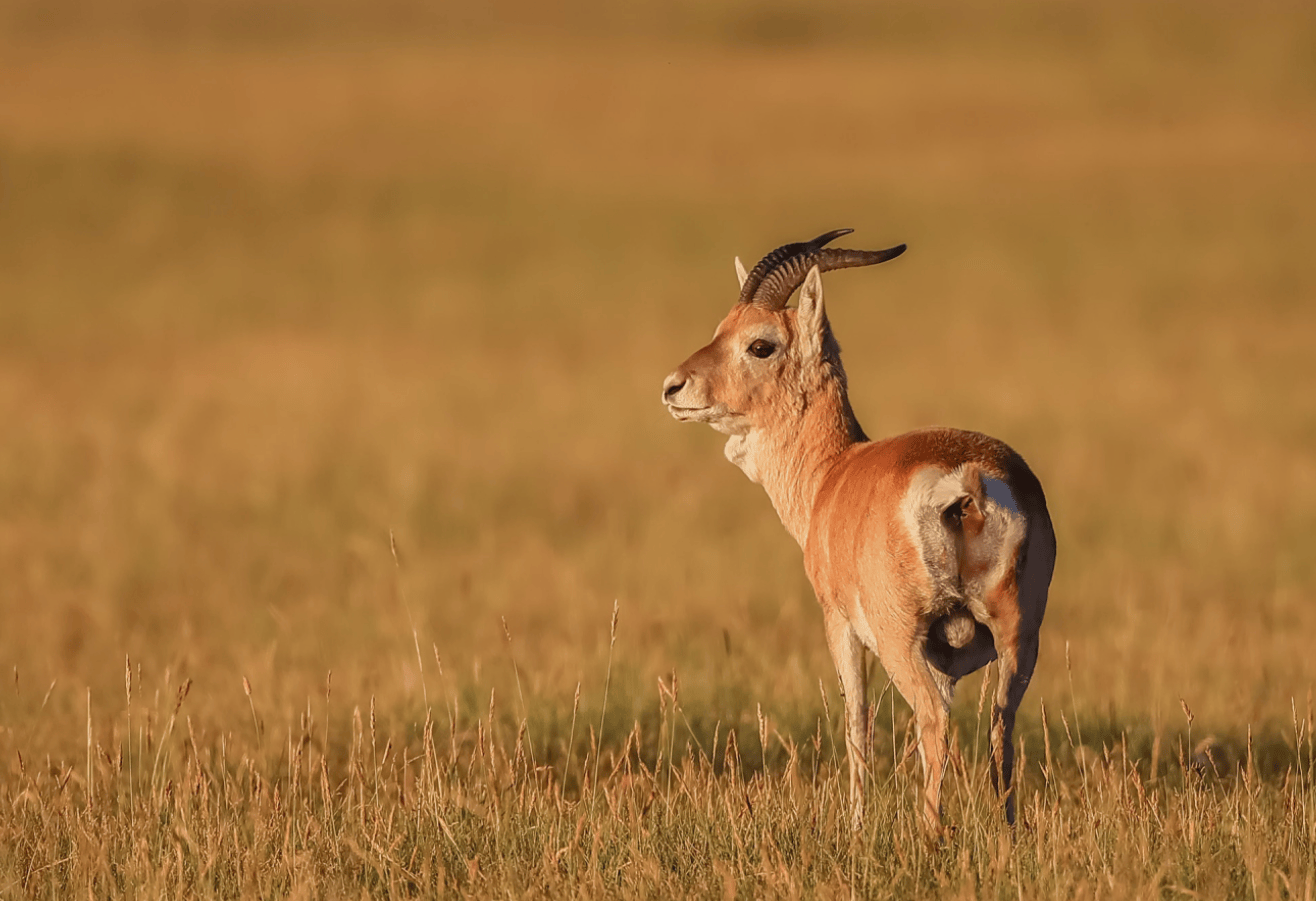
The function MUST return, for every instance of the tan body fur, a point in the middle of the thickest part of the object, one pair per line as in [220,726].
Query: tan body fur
[933,549]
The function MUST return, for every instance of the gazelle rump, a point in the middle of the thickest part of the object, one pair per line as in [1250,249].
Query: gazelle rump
[933,549]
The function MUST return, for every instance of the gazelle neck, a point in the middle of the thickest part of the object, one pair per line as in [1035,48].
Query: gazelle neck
[790,456]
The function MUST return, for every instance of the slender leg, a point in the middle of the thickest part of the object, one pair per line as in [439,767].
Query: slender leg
[1018,656]
[920,686]
[848,656]
[945,684]
[1014,616]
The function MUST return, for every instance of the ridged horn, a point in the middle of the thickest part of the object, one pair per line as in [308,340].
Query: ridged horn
[777,275]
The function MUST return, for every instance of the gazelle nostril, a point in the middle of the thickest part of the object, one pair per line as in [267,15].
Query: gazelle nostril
[672,385]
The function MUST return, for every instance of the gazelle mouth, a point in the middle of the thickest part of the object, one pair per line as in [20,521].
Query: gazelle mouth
[716,415]
[685,412]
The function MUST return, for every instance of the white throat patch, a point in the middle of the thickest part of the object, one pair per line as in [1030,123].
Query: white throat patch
[740,451]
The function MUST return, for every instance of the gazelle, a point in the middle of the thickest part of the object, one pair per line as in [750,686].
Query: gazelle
[933,549]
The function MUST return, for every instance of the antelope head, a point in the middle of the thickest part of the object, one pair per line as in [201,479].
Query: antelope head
[767,362]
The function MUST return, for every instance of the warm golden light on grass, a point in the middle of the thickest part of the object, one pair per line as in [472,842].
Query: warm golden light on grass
[331,340]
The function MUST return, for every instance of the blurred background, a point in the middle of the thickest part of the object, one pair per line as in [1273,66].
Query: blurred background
[278,279]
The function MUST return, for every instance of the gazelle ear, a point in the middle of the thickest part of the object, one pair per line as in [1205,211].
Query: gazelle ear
[740,272]
[812,317]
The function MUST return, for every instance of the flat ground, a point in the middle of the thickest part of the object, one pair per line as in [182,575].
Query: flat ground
[286,287]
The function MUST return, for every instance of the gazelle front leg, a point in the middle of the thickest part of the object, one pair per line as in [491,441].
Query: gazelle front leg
[848,656]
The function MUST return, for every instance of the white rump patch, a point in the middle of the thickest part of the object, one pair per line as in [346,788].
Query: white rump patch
[962,568]
[932,488]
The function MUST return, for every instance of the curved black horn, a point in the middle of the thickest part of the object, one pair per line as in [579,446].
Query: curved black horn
[778,274]
[779,256]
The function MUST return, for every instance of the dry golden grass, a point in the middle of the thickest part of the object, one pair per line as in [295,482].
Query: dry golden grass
[278,282]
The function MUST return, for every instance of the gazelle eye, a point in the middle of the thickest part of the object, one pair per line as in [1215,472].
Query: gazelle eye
[762,349]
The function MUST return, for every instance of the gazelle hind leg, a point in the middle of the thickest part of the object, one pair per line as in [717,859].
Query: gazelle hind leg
[848,656]
[1017,612]
[928,693]
[1016,669]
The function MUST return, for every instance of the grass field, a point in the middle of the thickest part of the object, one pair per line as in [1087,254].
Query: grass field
[331,338]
